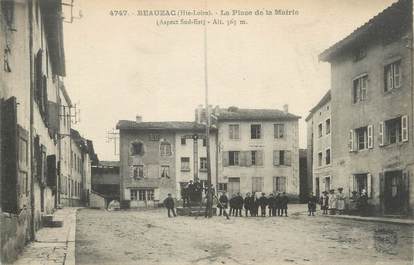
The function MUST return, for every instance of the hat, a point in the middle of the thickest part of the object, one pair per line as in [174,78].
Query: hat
[340,188]
[263,193]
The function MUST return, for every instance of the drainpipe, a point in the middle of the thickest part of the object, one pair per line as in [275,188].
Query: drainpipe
[32,202]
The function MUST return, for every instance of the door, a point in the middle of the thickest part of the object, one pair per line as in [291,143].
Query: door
[234,186]
[393,193]
[317,191]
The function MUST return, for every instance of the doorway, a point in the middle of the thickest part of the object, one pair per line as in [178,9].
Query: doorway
[394,192]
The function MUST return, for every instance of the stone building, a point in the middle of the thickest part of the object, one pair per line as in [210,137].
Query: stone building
[257,150]
[105,179]
[372,110]
[319,145]
[157,158]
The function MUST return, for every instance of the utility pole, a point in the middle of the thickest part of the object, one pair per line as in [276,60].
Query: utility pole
[207,110]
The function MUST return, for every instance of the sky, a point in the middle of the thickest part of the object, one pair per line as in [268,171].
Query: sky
[118,67]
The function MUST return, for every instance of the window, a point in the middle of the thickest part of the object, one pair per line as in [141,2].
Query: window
[281,157]
[142,195]
[165,172]
[279,184]
[8,12]
[255,131]
[360,89]
[279,130]
[393,131]
[361,138]
[359,54]
[360,183]
[328,126]
[257,184]
[204,142]
[392,76]
[183,141]
[233,185]
[203,164]
[320,159]
[138,171]
[185,164]
[154,137]
[222,186]
[165,149]
[320,129]
[234,132]
[253,155]
[137,148]
[234,158]
[328,156]
[327,183]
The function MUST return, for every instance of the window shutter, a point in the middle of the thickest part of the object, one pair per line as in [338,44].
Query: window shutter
[9,174]
[249,158]
[242,158]
[351,140]
[406,188]
[397,75]
[51,171]
[288,158]
[370,138]
[391,77]
[276,158]
[131,171]
[404,128]
[382,189]
[369,186]
[225,159]
[259,157]
[351,183]
[231,133]
[381,133]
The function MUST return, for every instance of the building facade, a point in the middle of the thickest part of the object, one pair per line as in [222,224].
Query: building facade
[105,179]
[257,151]
[319,144]
[157,158]
[372,110]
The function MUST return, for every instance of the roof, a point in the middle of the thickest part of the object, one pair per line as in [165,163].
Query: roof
[162,125]
[325,99]
[85,145]
[240,114]
[91,152]
[109,163]
[388,24]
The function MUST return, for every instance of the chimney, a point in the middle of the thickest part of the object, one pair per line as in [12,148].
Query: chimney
[138,118]
[198,112]
[286,108]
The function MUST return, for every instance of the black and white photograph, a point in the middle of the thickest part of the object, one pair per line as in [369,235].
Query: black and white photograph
[204,132]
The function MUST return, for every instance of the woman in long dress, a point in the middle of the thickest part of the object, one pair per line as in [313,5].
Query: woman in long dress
[332,202]
[340,201]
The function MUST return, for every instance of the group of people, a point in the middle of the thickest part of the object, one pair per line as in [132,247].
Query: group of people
[192,192]
[277,205]
[330,202]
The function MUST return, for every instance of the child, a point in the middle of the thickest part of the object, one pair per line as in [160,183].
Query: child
[324,202]
[312,204]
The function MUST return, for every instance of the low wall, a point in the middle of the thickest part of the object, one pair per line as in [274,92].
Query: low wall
[97,201]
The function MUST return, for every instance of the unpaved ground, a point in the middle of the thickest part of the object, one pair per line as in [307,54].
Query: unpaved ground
[149,237]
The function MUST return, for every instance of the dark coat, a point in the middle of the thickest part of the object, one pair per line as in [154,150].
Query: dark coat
[247,203]
[223,200]
[232,202]
[263,201]
[284,200]
[169,203]
[271,202]
[238,202]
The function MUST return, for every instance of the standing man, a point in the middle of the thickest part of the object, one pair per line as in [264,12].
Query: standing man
[254,204]
[247,204]
[169,204]
[263,204]
[232,206]
[312,204]
[223,203]
[238,204]
[284,201]
[190,193]
[278,203]
[271,205]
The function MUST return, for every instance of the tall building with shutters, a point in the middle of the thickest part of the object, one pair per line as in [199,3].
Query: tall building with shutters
[320,146]
[257,150]
[372,110]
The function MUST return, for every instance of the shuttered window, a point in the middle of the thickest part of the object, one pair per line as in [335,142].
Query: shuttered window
[257,184]
[279,184]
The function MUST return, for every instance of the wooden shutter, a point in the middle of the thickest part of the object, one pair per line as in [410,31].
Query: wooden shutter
[131,171]
[288,158]
[51,171]
[249,158]
[406,189]
[225,157]
[276,157]
[259,158]
[369,186]
[9,145]
[351,183]
[404,128]
[351,140]
[242,158]
[382,189]
[370,137]
[381,133]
